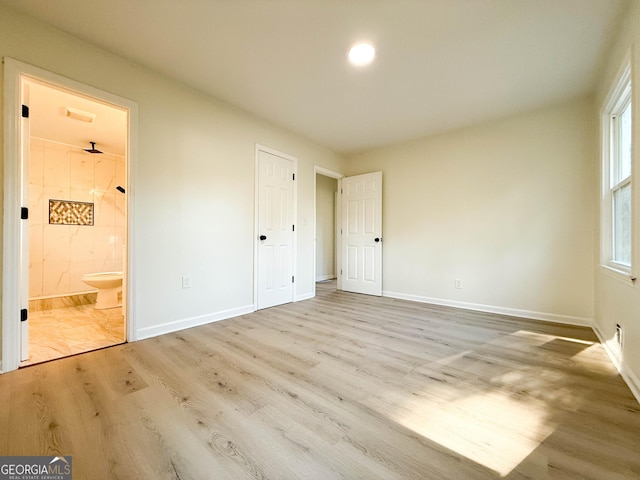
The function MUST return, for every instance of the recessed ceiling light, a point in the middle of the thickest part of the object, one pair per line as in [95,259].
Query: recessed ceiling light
[362,54]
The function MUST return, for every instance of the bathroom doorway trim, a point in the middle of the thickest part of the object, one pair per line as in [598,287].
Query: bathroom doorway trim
[14,74]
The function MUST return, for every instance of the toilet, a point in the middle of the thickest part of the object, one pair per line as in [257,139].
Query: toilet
[108,284]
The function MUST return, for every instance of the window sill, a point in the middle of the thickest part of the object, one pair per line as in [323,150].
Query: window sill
[621,276]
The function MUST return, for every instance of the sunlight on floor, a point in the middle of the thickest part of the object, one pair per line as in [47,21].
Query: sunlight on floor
[481,428]
[499,424]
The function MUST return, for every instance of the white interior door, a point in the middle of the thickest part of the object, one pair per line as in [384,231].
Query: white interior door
[275,230]
[361,234]
[24,227]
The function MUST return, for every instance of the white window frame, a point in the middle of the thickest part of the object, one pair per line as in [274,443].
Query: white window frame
[619,97]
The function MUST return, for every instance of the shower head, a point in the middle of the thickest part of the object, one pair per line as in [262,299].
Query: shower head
[92,149]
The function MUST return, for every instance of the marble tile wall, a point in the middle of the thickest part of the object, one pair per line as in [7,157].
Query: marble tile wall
[60,254]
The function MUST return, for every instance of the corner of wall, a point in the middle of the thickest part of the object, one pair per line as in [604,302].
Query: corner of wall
[630,378]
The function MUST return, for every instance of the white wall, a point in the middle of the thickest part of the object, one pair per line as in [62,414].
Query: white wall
[506,206]
[619,301]
[326,188]
[194,191]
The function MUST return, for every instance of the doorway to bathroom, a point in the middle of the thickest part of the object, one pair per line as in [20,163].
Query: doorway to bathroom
[76,192]
[76,208]
[74,181]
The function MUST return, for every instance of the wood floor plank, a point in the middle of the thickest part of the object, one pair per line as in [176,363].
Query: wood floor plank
[342,386]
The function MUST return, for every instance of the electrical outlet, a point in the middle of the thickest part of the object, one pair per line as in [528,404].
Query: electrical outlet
[458,283]
[186,281]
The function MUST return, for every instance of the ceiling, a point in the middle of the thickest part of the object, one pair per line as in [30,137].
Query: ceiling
[441,64]
[48,119]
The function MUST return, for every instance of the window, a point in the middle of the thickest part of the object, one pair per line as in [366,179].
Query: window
[617,174]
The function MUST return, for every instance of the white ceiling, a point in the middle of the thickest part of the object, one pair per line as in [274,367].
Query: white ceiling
[48,119]
[441,64]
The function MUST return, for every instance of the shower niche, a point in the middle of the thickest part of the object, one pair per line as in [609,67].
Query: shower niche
[67,212]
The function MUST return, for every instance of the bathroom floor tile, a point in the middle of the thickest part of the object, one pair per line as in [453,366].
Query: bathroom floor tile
[60,332]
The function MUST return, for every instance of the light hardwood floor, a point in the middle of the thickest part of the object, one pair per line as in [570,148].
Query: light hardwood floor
[339,386]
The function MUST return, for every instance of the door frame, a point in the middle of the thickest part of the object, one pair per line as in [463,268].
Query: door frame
[14,72]
[338,176]
[256,216]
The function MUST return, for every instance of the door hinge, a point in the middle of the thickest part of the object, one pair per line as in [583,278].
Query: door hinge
[293,279]
[294,176]
[341,191]
[24,213]
[293,227]
[340,271]
[25,111]
[24,315]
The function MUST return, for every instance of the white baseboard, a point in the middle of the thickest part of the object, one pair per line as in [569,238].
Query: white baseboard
[632,380]
[514,312]
[626,373]
[177,325]
[323,278]
[304,296]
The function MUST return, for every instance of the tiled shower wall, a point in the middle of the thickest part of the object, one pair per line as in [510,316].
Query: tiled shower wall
[60,254]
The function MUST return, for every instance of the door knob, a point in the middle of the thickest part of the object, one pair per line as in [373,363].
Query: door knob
[376,239]
[263,237]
